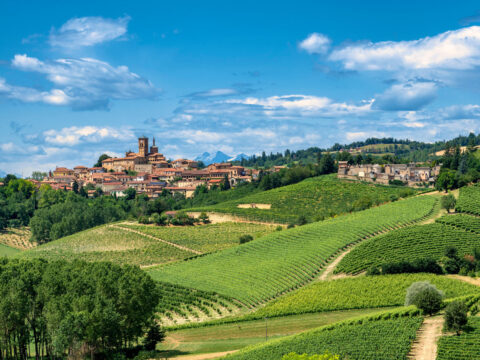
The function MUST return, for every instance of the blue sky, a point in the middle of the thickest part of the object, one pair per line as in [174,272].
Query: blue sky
[78,79]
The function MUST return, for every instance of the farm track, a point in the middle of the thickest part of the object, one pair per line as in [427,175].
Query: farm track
[156,238]
[216,355]
[425,345]
[218,217]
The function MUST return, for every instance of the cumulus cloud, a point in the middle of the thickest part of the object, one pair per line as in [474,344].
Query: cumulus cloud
[88,31]
[460,112]
[315,43]
[451,50]
[406,97]
[83,84]
[87,134]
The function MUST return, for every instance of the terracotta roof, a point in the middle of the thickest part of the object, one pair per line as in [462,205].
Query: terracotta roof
[62,169]
[179,188]
[80,167]
[96,168]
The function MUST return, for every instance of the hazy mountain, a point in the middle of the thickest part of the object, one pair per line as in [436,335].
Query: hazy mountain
[239,157]
[208,158]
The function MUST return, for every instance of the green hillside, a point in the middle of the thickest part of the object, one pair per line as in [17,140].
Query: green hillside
[469,200]
[106,243]
[204,238]
[463,347]
[415,242]
[315,198]
[8,251]
[365,340]
[282,261]
[360,292]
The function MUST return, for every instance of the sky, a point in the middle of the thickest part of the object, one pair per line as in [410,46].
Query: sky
[78,79]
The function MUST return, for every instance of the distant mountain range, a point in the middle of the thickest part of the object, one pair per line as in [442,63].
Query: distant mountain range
[219,157]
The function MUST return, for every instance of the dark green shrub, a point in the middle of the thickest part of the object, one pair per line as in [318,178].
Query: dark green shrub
[424,296]
[456,316]
[245,238]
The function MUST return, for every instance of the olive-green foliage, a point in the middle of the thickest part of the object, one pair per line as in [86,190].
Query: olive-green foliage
[360,292]
[370,340]
[469,200]
[448,202]
[69,305]
[424,296]
[282,261]
[409,244]
[106,243]
[7,250]
[205,238]
[456,316]
[315,198]
[466,346]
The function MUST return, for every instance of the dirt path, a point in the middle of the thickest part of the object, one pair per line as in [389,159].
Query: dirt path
[425,345]
[204,356]
[216,218]
[331,267]
[468,279]
[156,238]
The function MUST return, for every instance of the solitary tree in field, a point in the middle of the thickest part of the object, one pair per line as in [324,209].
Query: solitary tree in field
[424,296]
[456,316]
[448,202]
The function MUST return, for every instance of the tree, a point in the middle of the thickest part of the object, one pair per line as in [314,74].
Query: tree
[155,334]
[130,193]
[446,180]
[204,218]
[245,238]
[38,175]
[448,202]
[100,159]
[424,296]
[226,183]
[456,316]
[302,220]
[75,187]
[327,164]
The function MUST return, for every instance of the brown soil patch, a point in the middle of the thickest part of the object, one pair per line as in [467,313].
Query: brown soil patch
[468,279]
[425,345]
[255,206]
[331,267]
[17,238]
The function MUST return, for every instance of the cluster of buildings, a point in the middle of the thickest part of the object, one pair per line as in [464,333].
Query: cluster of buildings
[410,174]
[147,172]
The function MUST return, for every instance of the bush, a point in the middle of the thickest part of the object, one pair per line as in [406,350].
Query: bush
[245,238]
[204,218]
[448,202]
[425,265]
[424,296]
[373,271]
[144,220]
[456,316]
[302,220]
[279,228]
[290,226]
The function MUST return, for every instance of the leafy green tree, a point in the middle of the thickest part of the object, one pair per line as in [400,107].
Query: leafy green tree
[130,193]
[448,202]
[327,164]
[38,175]
[155,335]
[100,159]
[446,180]
[424,296]
[456,316]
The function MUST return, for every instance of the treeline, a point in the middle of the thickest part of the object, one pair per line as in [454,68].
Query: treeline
[74,308]
[17,202]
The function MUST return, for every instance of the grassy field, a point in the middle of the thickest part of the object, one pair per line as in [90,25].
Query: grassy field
[204,238]
[281,261]
[359,292]
[235,336]
[408,244]
[105,243]
[8,251]
[370,340]
[463,347]
[315,198]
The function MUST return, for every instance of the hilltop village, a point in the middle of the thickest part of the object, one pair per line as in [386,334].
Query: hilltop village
[148,172]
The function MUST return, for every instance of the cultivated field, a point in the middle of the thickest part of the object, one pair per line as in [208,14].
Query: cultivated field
[315,198]
[360,292]
[204,238]
[282,261]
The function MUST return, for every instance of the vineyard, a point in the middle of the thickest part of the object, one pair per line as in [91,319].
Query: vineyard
[462,221]
[205,238]
[408,244]
[463,347]
[360,292]
[106,243]
[367,340]
[178,305]
[281,261]
[469,200]
[315,198]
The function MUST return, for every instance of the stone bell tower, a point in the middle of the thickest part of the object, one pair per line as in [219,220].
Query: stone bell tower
[143,146]
[153,148]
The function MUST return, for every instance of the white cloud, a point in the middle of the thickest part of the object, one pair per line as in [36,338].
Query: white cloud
[87,134]
[360,135]
[315,43]
[88,31]
[303,105]
[451,50]
[83,83]
[406,97]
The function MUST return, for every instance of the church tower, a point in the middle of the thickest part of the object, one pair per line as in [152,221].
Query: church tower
[143,146]
[153,148]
